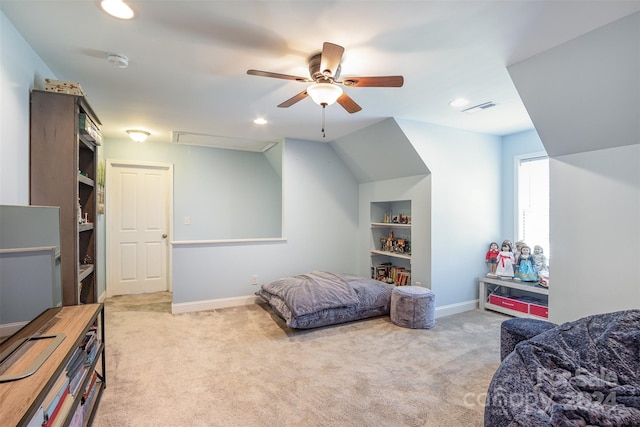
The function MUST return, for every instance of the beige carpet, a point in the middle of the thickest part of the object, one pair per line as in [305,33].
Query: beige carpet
[242,366]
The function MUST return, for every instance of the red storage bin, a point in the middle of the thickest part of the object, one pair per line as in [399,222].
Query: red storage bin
[509,303]
[539,310]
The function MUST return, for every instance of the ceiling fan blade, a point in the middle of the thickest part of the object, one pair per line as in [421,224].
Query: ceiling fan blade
[348,103]
[278,75]
[289,102]
[331,57]
[381,81]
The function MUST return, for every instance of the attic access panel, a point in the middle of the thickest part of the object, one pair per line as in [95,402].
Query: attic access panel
[215,141]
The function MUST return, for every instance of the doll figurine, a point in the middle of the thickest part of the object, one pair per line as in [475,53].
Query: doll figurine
[525,270]
[505,261]
[540,264]
[491,258]
[518,251]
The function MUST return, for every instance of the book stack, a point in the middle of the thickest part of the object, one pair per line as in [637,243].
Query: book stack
[388,273]
[403,277]
[62,396]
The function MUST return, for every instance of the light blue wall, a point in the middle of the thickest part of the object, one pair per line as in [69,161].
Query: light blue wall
[465,205]
[321,226]
[20,71]
[515,145]
[227,194]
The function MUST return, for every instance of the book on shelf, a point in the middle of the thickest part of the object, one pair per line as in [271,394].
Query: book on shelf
[388,273]
[58,413]
[56,392]
[88,391]
[78,417]
[404,278]
[77,380]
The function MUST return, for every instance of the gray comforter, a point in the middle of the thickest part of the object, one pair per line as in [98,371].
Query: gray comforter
[321,298]
[311,292]
[582,373]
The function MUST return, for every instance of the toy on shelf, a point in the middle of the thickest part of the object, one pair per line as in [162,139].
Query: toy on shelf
[491,258]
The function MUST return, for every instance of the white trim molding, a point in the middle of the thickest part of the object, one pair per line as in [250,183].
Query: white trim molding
[459,307]
[212,304]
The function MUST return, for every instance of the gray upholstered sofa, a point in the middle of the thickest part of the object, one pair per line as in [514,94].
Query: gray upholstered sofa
[581,373]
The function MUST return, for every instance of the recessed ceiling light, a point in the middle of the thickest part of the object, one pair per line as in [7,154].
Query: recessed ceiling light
[459,102]
[117,8]
[260,121]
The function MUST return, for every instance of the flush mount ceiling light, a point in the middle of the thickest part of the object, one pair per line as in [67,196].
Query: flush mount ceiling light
[324,93]
[260,121]
[118,60]
[138,135]
[117,8]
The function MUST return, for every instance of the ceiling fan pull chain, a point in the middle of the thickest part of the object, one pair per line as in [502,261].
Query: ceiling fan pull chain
[323,108]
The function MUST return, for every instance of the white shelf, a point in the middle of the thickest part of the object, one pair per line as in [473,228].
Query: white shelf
[515,284]
[84,270]
[85,180]
[483,295]
[389,225]
[85,227]
[391,254]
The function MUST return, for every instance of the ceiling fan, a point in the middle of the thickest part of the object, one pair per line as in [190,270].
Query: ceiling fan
[324,71]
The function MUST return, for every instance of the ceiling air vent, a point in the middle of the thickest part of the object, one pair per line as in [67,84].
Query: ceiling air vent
[479,107]
[215,141]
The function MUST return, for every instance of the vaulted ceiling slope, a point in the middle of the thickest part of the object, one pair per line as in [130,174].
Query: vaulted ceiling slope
[584,95]
[380,152]
[187,60]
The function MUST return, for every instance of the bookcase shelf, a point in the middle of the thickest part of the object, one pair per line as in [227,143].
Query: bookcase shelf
[391,241]
[390,254]
[63,172]
[29,400]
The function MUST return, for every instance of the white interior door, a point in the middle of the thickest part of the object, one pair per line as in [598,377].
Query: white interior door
[138,227]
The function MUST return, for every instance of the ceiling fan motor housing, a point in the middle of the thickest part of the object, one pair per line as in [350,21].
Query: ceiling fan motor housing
[321,76]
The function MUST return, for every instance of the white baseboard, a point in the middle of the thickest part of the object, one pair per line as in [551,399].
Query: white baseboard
[459,307]
[102,296]
[10,328]
[212,304]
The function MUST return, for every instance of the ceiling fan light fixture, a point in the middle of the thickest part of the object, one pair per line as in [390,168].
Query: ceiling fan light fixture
[138,135]
[324,93]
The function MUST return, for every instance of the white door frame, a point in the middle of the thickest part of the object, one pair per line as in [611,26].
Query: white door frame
[111,163]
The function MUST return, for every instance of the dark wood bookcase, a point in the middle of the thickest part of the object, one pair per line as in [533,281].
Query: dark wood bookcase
[63,172]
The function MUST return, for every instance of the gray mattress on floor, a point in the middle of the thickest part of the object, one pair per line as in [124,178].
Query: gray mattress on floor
[321,298]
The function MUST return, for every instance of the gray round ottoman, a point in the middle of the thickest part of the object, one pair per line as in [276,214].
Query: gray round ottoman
[519,329]
[413,307]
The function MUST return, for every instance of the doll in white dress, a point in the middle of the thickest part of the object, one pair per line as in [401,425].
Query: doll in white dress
[505,261]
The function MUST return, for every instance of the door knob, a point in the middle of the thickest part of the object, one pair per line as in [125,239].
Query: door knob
[164,236]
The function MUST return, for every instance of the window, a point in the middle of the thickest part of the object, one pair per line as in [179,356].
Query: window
[533,201]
